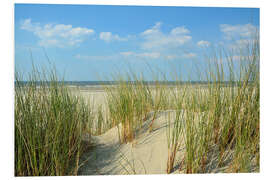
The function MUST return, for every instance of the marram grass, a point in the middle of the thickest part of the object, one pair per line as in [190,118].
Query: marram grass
[222,123]
[49,123]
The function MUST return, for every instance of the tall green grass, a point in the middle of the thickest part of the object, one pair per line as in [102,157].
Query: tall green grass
[175,129]
[129,103]
[221,131]
[49,123]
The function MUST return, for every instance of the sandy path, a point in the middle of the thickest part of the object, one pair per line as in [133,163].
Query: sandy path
[147,154]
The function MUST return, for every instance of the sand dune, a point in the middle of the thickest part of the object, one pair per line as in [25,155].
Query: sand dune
[147,154]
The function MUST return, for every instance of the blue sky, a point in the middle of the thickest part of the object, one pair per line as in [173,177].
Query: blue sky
[87,42]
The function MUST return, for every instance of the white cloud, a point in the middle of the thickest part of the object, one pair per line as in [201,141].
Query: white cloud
[155,30]
[98,57]
[179,31]
[56,35]
[154,38]
[137,55]
[157,55]
[189,55]
[203,43]
[240,44]
[150,55]
[171,56]
[239,37]
[108,37]
[238,31]
[128,53]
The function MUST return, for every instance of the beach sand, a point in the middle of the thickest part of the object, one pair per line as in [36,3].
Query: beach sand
[146,154]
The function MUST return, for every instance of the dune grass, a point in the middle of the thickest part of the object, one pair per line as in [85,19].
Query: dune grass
[49,123]
[221,120]
[176,127]
[129,103]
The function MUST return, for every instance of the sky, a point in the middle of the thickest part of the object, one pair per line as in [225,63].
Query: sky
[91,43]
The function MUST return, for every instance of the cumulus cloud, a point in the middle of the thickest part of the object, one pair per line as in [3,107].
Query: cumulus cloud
[154,38]
[108,37]
[56,35]
[238,31]
[179,31]
[203,43]
[239,37]
[155,30]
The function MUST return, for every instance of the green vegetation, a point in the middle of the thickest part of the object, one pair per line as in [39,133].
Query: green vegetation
[129,103]
[221,122]
[49,123]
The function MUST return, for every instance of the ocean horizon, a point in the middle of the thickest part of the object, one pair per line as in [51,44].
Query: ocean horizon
[95,83]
